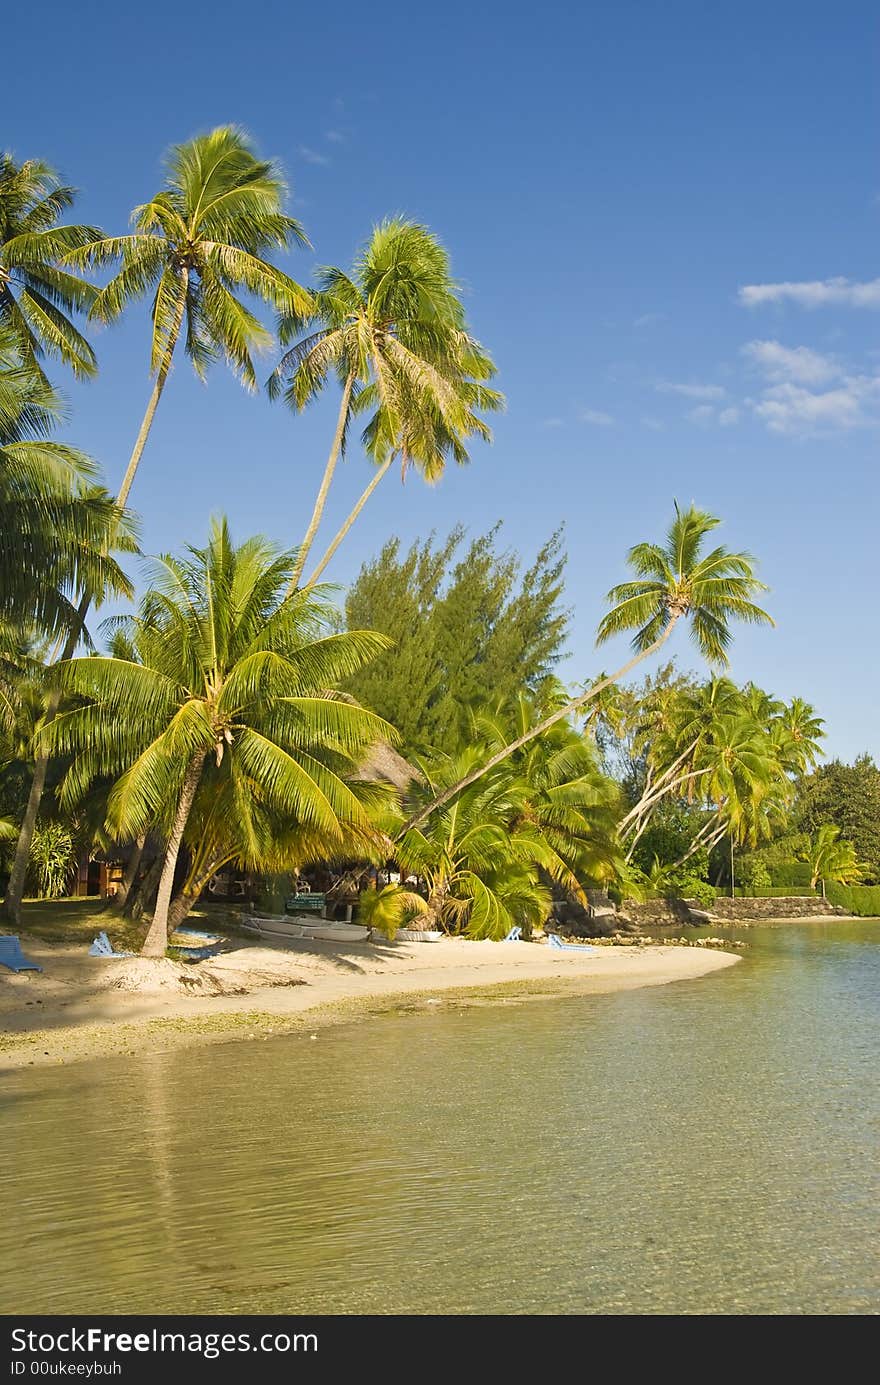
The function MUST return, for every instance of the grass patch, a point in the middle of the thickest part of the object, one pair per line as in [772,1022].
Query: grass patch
[72,922]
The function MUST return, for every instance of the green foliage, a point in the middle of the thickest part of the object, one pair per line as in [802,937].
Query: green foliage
[861,900]
[51,860]
[831,858]
[390,908]
[37,296]
[849,797]
[789,873]
[57,525]
[468,632]
[753,874]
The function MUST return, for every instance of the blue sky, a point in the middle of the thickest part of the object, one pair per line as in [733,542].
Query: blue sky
[665,218]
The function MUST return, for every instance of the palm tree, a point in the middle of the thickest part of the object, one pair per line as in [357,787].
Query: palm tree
[479,856]
[228,672]
[675,580]
[393,332]
[198,245]
[830,858]
[37,296]
[202,240]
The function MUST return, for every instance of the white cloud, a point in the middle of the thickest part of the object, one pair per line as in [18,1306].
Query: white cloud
[728,417]
[692,391]
[655,424]
[795,363]
[597,417]
[792,409]
[334,137]
[702,414]
[815,293]
[553,423]
[311,156]
[649,319]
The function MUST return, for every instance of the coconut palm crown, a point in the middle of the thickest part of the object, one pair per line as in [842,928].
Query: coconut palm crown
[678,579]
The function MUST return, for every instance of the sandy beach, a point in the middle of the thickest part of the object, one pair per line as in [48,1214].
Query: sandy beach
[83,1007]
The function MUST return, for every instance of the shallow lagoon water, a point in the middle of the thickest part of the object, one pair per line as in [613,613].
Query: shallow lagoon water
[703,1147]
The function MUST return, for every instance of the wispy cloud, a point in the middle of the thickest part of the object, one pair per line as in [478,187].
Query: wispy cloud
[728,417]
[334,137]
[797,363]
[792,409]
[597,417]
[312,156]
[553,423]
[692,391]
[702,414]
[649,319]
[655,424]
[794,401]
[814,293]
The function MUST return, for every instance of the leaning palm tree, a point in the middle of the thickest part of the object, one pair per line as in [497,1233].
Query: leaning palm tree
[394,332]
[674,581]
[229,672]
[38,296]
[198,245]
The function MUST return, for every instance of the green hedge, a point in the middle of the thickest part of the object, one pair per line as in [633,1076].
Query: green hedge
[863,900]
[775,892]
[790,873]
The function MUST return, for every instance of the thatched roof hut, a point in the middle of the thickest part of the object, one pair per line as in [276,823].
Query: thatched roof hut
[383,765]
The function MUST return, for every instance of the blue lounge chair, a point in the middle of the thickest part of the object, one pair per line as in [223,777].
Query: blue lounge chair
[514,936]
[102,947]
[12,956]
[554,941]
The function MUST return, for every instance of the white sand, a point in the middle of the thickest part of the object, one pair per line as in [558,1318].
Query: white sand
[83,1006]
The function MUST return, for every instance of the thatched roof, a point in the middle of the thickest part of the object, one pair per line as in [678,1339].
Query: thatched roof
[383,764]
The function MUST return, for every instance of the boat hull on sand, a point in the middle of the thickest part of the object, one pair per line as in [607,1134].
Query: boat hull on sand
[324,930]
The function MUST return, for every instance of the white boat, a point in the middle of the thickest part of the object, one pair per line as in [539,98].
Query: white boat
[419,935]
[306,927]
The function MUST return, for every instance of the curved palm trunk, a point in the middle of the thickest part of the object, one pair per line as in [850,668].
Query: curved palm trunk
[501,755]
[324,489]
[15,888]
[142,897]
[157,938]
[348,524]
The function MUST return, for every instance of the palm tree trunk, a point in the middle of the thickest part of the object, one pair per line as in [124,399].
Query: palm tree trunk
[130,873]
[142,897]
[157,938]
[348,524]
[15,888]
[732,877]
[324,488]
[573,706]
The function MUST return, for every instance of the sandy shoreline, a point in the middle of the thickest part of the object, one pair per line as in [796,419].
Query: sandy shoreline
[84,1007]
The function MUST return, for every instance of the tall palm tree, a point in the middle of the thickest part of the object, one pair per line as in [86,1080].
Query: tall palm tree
[199,244]
[228,671]
[395,329]
[38,296]
[674,580]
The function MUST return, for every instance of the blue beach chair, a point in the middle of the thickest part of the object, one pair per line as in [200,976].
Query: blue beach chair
[11,955]
[514,936]
[554,941]
[102,947]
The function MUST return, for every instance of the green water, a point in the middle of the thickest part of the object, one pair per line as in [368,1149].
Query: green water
[704,1147]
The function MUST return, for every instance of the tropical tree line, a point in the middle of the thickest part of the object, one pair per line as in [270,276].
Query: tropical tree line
[228,718]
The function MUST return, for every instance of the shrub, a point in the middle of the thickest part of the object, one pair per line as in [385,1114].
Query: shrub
[51,860]
[862,900]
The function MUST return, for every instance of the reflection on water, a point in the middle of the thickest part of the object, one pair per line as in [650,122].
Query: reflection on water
[709,1146]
